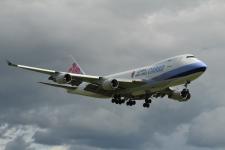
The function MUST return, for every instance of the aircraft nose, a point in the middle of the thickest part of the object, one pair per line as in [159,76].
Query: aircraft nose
[202,66]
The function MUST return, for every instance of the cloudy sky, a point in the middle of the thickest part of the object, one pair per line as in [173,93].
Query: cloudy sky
[108,36]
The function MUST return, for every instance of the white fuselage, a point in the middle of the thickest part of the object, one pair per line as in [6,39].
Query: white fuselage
[161,75]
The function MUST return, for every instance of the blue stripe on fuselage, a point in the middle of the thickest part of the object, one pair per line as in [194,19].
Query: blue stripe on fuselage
[181,72]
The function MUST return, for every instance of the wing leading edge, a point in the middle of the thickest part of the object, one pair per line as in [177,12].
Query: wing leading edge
[40,70]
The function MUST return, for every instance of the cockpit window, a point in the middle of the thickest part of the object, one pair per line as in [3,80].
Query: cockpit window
[190,57]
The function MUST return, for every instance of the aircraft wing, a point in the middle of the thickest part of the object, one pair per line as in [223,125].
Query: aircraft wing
[86,78]
[40,70]
[97,80]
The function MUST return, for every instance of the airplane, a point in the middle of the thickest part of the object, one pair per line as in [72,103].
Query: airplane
[145,83]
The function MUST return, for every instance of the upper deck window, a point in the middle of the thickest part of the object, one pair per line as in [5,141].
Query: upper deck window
[190,57]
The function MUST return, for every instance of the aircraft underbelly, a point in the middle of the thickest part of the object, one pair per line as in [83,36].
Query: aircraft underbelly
[161,85]
[183,80]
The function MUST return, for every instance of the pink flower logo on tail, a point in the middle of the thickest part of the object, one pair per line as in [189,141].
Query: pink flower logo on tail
[75,69]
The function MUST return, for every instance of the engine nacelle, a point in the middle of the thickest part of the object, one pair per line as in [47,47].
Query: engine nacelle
[178,96]
[61,78]
[110,85]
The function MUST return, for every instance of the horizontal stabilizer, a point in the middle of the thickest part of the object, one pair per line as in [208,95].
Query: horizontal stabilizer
[68,87]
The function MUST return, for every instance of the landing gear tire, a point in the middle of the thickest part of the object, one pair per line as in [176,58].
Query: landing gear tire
[117,99]
[185,92]
[113,100]
[188,96]
[147,100]
[146,105]
[131,103]
[128,103]
[122,101]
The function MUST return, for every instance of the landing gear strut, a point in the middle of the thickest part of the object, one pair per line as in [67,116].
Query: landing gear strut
[186,84]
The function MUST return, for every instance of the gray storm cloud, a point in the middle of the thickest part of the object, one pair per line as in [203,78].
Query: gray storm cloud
[18,144]
[108,37]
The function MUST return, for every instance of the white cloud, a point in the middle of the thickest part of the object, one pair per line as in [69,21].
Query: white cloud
[59,148]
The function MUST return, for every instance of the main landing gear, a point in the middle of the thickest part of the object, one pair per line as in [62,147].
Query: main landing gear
[147,103]
[131,103]
[118,100]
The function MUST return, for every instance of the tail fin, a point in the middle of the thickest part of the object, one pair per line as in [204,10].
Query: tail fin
[75,68]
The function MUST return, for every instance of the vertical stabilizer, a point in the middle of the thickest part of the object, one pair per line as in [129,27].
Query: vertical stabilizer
[75,68]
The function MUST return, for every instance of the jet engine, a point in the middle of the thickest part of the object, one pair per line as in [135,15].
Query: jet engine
[110,85]
[61,78]
[180,96]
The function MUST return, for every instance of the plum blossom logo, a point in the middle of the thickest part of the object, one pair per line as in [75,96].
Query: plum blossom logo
[74,69]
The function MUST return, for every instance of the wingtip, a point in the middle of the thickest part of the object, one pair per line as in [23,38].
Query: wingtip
[10,63]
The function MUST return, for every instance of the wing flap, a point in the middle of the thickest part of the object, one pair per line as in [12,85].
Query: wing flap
[68,87]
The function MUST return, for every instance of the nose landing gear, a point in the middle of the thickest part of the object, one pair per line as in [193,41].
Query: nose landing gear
[185,92]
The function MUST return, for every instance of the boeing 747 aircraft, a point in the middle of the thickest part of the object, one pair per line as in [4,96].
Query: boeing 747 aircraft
[157,80]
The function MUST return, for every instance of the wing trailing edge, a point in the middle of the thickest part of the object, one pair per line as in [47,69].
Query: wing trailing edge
[68,87]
